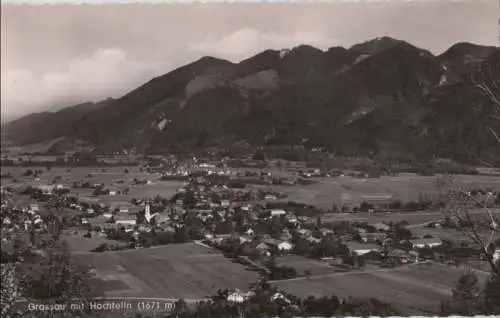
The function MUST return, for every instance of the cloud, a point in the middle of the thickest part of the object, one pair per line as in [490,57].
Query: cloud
[243,43]
[106,73]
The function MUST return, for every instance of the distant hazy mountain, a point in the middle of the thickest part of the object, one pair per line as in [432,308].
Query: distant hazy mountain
[384,95]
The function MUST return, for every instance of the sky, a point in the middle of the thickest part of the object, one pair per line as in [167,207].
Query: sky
[54,56]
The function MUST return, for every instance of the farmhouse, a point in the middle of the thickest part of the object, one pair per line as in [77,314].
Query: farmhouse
[400,255]
[263,248]
[162,218]
[381,227]
[280,296]
[372,237]
[378,203]
[362,249]
[238,297]
[426,242]
[46,189]
[280,245]
[277,212]
[291,218]
[250,232]
[244,239]
[126,220]
[123,209]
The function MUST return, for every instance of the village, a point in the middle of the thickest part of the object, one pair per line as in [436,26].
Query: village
[239,213]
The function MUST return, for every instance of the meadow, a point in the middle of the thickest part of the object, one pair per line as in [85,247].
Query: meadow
[304,265]
[347,190]
[188,271]
[419,287]
[97,175]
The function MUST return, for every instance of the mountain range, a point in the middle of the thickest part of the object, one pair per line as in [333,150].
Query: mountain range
[383,96]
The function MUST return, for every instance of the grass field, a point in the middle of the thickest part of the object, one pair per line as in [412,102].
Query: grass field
[107,175]
[78,243]
[413,218]
[418,287]
[187,271]
[303,264]
[405,187]
[449,234]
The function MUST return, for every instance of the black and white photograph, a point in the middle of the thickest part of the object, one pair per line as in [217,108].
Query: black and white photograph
[208,160]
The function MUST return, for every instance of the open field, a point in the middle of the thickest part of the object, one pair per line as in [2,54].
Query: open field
[108,175]
[347,190]
[186,271]
[413,218]
[454,235]
[303,264]
[78,243]
[418,287]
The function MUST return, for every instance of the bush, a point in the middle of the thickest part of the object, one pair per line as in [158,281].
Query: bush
[101,248]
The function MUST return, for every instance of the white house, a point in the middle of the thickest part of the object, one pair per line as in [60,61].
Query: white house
[277,212]
[209,236]
[37,220]
[326,231]
[46,189]
[291,218]
[107,215]
[280,245]
[496,255]
[426,242]
[362,249]
[126,222]
[236,297]
[123,209]
[247,208]
[224,203]
[244,239]
[279,296]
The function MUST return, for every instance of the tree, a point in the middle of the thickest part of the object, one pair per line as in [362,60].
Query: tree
[180,308]
[466,299]
[9,291]
[402,234]
[458,203]
[488,83]
[189,199]
[457,199]
[51,276]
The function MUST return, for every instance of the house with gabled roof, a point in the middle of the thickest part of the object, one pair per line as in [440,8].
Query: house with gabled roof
[426,242]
